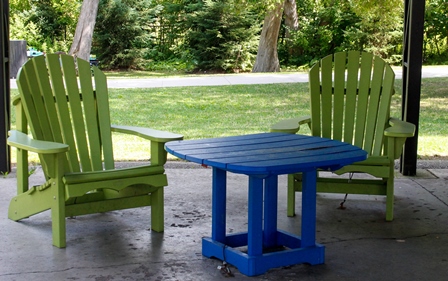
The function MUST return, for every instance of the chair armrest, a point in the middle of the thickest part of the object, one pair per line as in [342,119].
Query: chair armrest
[23,141]
[146,133]
[399,129]
[290,126]
[157,138]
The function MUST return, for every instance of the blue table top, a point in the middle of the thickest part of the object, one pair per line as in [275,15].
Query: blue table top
[267,153]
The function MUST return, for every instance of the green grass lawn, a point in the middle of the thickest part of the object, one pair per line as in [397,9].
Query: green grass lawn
[433,124]
[213,111]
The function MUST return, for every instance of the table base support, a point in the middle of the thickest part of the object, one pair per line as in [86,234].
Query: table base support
[287,252]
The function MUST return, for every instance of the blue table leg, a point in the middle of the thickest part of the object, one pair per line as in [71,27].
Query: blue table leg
[297,249]
[255,227]
[270,211]
[309,209]
[219,205]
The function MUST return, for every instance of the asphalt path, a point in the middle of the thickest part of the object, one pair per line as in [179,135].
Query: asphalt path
[236,79]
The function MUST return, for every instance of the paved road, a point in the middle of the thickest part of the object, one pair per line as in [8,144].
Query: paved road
[237,79]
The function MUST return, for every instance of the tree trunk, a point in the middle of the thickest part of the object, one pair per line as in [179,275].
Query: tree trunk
[292,24]
[267,57]
[82,43]
[291,18]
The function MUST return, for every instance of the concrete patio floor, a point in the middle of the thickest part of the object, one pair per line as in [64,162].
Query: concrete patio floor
[119,245]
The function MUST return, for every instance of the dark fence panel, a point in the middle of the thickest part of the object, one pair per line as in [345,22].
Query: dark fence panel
[17,56]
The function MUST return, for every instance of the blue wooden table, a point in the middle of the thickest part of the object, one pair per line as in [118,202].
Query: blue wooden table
[263,157]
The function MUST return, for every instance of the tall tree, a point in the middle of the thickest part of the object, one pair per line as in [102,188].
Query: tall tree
[291,17]
[120,38]
[82,43]
[267,56]
[220,38]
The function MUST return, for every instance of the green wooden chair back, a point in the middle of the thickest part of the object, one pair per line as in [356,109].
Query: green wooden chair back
[350,99]
[64,103]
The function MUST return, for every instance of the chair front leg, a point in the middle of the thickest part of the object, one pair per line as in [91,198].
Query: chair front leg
[22,154]
[390,197]
[391,152]
[58,202]
[157,210]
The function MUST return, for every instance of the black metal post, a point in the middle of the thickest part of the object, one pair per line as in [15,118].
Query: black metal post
[412,76]
[5,159]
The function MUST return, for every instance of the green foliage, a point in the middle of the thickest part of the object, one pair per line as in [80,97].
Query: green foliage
[118,33]
[167,31]
[436,32]
[47,25]
[321,32]
[223,35]
[131,34]
[381,24]
[329,26]
[218,39]
[21,31]
[173,65]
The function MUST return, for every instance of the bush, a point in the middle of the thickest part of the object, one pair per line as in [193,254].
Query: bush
[219,39]
[321,32]
[120,38]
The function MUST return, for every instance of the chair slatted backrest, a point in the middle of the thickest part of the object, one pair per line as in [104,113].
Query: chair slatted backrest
[350,99]
[64,104]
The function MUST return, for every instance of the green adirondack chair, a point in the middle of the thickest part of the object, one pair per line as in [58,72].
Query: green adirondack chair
[350,101]
[67,112]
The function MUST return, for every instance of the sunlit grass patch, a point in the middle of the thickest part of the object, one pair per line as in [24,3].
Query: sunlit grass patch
[215,111]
